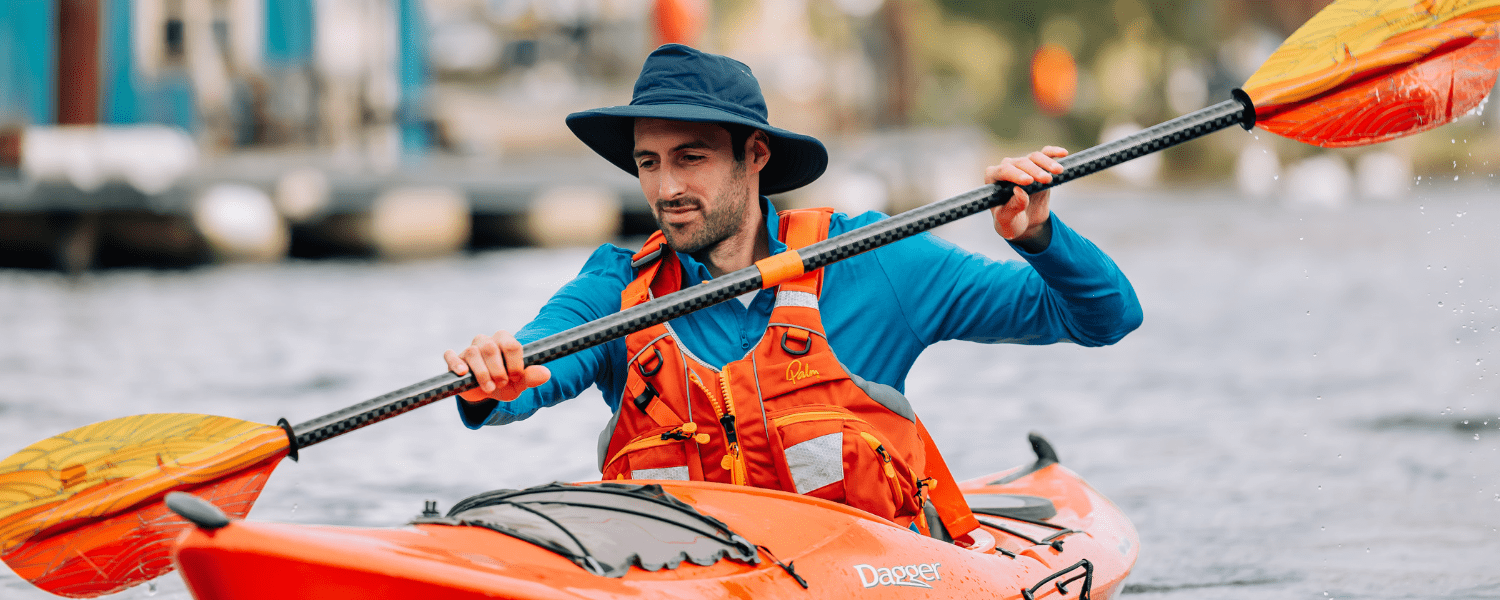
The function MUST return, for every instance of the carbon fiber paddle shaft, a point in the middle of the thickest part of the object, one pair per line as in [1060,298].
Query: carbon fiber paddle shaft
[1228,113]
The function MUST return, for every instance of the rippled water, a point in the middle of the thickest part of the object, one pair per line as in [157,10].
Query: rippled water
[1309,411]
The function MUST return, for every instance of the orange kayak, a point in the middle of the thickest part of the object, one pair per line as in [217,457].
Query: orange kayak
[1045,534]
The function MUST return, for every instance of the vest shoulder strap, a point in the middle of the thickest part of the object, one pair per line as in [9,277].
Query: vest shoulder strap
[647,263]
[654,247]
[799,229]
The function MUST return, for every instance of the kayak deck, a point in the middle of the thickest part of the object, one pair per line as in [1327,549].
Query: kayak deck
[837,550]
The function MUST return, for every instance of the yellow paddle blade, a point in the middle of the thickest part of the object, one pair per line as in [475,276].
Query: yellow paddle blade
[81,513]
[1366,71]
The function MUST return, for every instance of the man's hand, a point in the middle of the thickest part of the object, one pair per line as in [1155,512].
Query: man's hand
[1023,219]
[497,365]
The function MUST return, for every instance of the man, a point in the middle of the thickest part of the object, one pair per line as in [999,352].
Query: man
[814,366]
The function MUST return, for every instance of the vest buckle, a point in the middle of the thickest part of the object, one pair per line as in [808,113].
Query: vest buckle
[640,365]
[805,339]
[644,400]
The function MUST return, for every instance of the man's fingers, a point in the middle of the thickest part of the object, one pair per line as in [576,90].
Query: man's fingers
[494,360]
[1046,162]
[537,375]
[1055,151]
[1038,166]
[481,373]
[1008,171]
[1010,218]
[455,364]
[510,353]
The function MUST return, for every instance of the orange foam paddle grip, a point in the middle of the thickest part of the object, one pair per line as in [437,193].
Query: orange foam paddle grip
[775,270]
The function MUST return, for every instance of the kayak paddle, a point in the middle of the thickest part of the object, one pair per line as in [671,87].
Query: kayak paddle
[81,513]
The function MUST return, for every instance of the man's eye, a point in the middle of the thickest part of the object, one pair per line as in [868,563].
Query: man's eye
[646,164]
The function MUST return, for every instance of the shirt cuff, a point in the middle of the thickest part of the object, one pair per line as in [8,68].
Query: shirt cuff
[1038,245]
[475,414]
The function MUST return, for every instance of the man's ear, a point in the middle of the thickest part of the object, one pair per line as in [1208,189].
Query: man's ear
[757,150]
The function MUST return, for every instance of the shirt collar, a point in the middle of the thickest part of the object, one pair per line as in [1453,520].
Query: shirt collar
[696,271]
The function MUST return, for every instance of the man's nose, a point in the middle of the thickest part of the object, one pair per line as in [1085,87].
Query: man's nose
[670,184]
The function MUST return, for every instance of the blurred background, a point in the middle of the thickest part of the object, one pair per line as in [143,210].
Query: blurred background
[357,185]
[172,132]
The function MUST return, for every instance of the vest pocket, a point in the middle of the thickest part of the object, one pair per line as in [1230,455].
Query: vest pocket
[833,455]
[650,456]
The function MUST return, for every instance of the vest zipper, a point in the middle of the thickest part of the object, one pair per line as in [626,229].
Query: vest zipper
[686,431]
[816,415]
[732,461]
[890,469]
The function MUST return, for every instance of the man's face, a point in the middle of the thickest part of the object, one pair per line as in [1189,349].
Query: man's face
[698,193]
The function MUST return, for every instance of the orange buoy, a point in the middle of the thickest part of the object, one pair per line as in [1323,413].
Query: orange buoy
[1054,79]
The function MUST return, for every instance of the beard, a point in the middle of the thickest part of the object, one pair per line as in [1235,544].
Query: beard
[718,224]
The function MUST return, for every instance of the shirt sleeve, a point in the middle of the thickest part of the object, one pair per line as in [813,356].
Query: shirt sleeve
[594,293]
[1069,292]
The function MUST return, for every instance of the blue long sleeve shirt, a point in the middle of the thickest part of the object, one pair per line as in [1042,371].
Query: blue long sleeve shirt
[880,309]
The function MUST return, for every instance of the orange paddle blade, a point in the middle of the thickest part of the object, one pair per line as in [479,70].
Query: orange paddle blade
[1366,71]
[81,512]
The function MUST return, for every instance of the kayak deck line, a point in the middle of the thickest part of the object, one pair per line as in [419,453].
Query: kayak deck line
[640,537]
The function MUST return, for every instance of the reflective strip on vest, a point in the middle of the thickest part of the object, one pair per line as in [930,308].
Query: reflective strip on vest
[802,299]
[816,462]
[674,473]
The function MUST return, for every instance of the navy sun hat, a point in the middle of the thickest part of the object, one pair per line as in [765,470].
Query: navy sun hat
[680,83]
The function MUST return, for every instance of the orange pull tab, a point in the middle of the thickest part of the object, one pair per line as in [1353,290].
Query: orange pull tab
[779,268]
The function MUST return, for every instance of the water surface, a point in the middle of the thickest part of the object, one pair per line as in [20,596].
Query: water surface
[1309,411]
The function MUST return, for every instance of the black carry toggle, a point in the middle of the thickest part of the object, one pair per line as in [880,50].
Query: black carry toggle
[806,344]
[1083,594]
[644,400]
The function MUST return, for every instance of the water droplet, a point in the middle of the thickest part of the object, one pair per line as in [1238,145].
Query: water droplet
[294,507]
[1440,302]
[151,588]
[1476,437]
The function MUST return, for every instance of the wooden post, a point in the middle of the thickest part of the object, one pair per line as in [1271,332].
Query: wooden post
[78,61]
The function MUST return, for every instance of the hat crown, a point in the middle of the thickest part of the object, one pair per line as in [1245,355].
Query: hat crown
[678,74]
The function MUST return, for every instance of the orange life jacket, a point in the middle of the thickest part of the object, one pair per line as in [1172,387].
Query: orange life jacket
[788,416]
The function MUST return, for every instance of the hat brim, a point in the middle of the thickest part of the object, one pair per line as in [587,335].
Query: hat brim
[796,159]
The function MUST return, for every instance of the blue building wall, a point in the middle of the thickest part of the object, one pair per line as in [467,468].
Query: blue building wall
[120,99]
[28,62]
[412,75]
[289,32]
